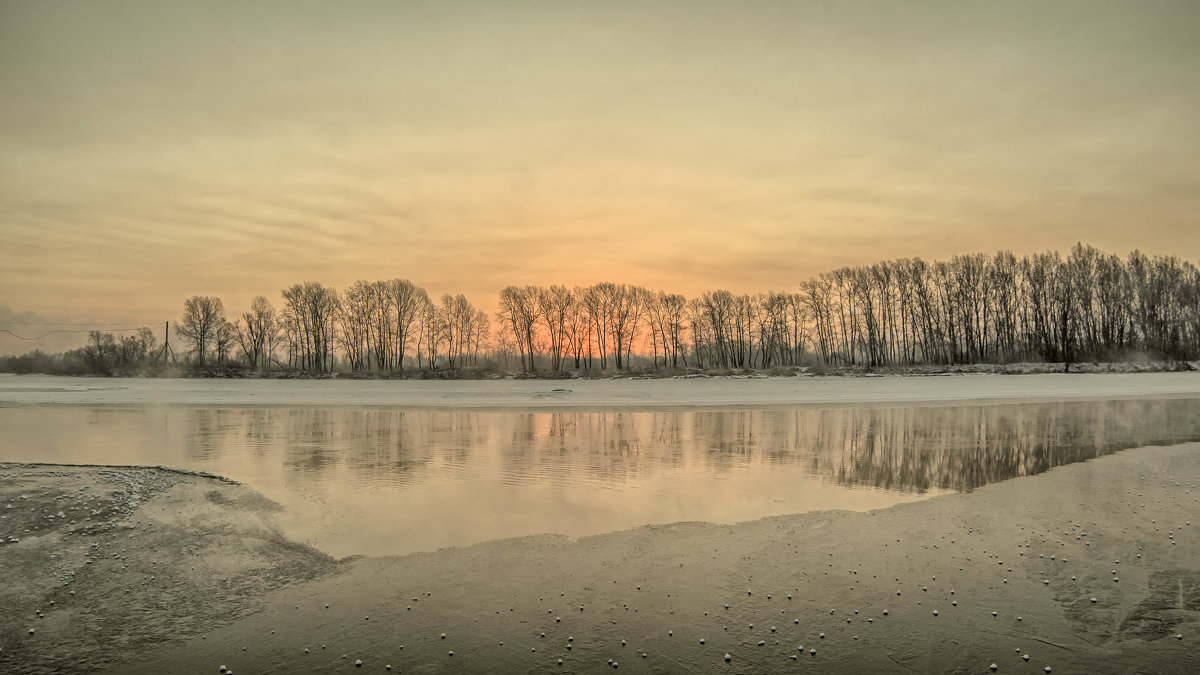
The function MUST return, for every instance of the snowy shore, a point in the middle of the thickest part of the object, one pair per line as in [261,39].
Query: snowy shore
[624,394]
[1090,567]
[1040,572]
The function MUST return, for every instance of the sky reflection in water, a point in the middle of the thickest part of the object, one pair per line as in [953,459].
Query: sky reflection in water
[380,481]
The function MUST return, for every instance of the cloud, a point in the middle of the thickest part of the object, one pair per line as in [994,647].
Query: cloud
[149,152]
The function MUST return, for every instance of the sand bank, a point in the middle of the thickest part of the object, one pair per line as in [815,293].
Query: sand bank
[193,576]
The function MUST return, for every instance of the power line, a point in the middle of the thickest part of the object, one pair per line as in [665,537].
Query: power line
[52,332]
[58,323]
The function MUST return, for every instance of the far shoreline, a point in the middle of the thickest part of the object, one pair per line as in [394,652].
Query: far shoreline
[681,394]
[468,373]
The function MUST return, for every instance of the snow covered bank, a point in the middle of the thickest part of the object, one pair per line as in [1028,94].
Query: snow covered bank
[1045,573]
[530,395]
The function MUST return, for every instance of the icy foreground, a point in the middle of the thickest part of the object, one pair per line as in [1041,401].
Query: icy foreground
[1091,567]
[633,394]
[182,574]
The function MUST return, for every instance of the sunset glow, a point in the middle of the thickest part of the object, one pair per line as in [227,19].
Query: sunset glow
[152,151]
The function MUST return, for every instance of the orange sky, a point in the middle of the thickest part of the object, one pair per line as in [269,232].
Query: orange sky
[151,151]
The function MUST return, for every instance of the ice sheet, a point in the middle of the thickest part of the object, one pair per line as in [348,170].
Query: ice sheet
[579,394]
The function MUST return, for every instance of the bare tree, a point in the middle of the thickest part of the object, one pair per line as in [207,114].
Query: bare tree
[224,341]
[463,327]
[599,302]
[671,320]
[356,314]
[478,332]
[432,332]
[136,350]
[702,344]
[404,304]
[555,306]
[519,315]
[257,332]
[203,317]
[579,336]
[628,304]
[310,321]
[100,353]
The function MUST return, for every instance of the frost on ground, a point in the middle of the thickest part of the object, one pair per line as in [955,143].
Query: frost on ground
[103,562]
[1086,568]
[623,394]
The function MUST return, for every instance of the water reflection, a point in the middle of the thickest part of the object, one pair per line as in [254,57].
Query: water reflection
[380,480]
[902,449]
[961,448]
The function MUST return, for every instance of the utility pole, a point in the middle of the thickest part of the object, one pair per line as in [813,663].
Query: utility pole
[167,342]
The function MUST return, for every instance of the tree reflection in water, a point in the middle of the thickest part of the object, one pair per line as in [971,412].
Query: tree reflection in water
[908,449]
[378,480]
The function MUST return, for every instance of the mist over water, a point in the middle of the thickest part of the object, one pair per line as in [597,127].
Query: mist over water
[379,481]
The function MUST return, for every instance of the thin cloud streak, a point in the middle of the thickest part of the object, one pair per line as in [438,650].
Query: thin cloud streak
[150,152]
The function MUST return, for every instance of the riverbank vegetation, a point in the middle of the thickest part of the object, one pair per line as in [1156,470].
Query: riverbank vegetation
[896,315]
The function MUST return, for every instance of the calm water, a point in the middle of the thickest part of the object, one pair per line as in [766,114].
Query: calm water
[382,481]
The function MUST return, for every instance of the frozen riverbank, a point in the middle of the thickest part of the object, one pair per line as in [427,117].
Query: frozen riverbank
[956,583]
[100,563]
[550,395]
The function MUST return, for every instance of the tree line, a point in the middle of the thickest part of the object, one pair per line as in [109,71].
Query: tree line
[371,327]
[1086,306]
[601,326]
[969,309]
[104,353]
[979,309]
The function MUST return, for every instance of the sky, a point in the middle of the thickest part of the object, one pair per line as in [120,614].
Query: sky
[151,151]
